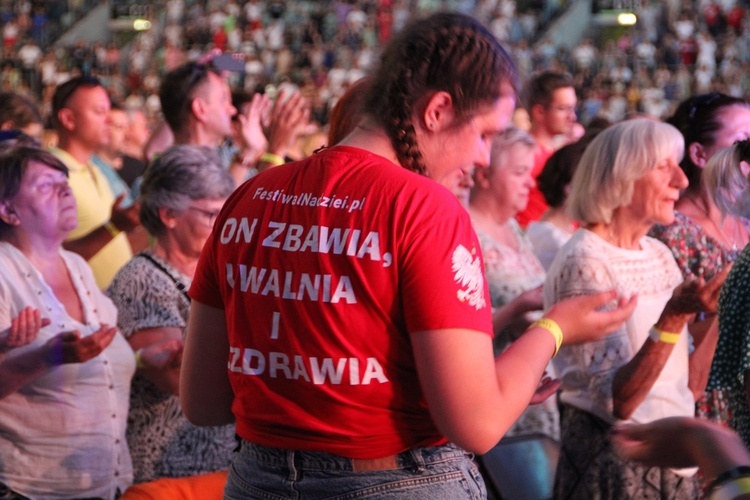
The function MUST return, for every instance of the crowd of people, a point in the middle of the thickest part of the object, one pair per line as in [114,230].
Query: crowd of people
[234,300]
[677,49]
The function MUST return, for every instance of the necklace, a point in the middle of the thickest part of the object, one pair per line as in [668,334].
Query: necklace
[728,241]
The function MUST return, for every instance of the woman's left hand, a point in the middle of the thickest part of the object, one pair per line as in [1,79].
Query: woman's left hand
[696,295]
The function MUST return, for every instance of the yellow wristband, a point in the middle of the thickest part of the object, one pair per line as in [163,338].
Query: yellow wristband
[552,327]
[111,229]
[661,336]
[272,158]
[139,360]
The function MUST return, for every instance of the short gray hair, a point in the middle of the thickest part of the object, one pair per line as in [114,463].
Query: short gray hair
[504,141]
[724,181]
[178,176]
[616,158]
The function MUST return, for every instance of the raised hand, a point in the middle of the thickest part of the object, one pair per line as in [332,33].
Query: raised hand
[70,347]
[696,295]
[591,317]
[250,136]
[288,119]
[124,219]
[23,329]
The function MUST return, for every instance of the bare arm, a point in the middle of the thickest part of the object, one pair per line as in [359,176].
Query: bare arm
[682,442]
[205,393]
[508,314]
[458,373]
[705,338]
[634,380]
[162,369]
[123,219]
[68,347]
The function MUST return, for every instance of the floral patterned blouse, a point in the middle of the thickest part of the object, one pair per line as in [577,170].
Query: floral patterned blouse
[509,273]
[696,252]
[699,254]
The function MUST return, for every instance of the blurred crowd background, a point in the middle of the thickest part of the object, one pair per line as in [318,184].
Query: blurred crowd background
[677,48]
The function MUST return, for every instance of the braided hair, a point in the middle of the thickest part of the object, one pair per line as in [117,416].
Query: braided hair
[447,52]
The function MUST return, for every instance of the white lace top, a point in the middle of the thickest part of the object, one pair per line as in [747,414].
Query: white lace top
[588,264]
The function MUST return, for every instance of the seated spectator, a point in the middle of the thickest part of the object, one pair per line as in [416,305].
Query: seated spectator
[65,394]
[181,195]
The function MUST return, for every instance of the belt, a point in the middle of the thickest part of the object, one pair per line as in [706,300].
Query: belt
[373,464]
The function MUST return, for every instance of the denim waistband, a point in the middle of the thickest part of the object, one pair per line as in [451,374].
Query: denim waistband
[415,458]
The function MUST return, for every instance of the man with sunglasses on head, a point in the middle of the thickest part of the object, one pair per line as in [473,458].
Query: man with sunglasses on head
[196,102]
[81,117]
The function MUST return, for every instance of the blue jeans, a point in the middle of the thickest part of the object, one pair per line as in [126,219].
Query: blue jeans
[438,473]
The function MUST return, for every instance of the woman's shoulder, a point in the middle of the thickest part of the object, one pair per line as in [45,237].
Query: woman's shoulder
[139,273]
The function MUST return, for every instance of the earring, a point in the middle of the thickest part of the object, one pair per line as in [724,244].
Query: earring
[431,125]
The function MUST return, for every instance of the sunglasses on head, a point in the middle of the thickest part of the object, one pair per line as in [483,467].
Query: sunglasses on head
[67,89]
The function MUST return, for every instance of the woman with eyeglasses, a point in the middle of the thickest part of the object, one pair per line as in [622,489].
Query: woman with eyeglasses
[701,239]
[181,195]
[726,179]
[64,394]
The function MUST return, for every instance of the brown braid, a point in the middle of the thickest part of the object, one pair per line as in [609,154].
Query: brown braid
[444,52]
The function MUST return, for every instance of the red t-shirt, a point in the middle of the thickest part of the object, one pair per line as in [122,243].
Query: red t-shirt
[537,205]
[323,267]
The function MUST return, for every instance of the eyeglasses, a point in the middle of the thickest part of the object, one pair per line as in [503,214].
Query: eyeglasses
[210,215]
[563,109]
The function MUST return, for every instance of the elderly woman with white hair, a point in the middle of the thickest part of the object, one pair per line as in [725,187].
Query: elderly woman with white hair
[628,179]
[181,195]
